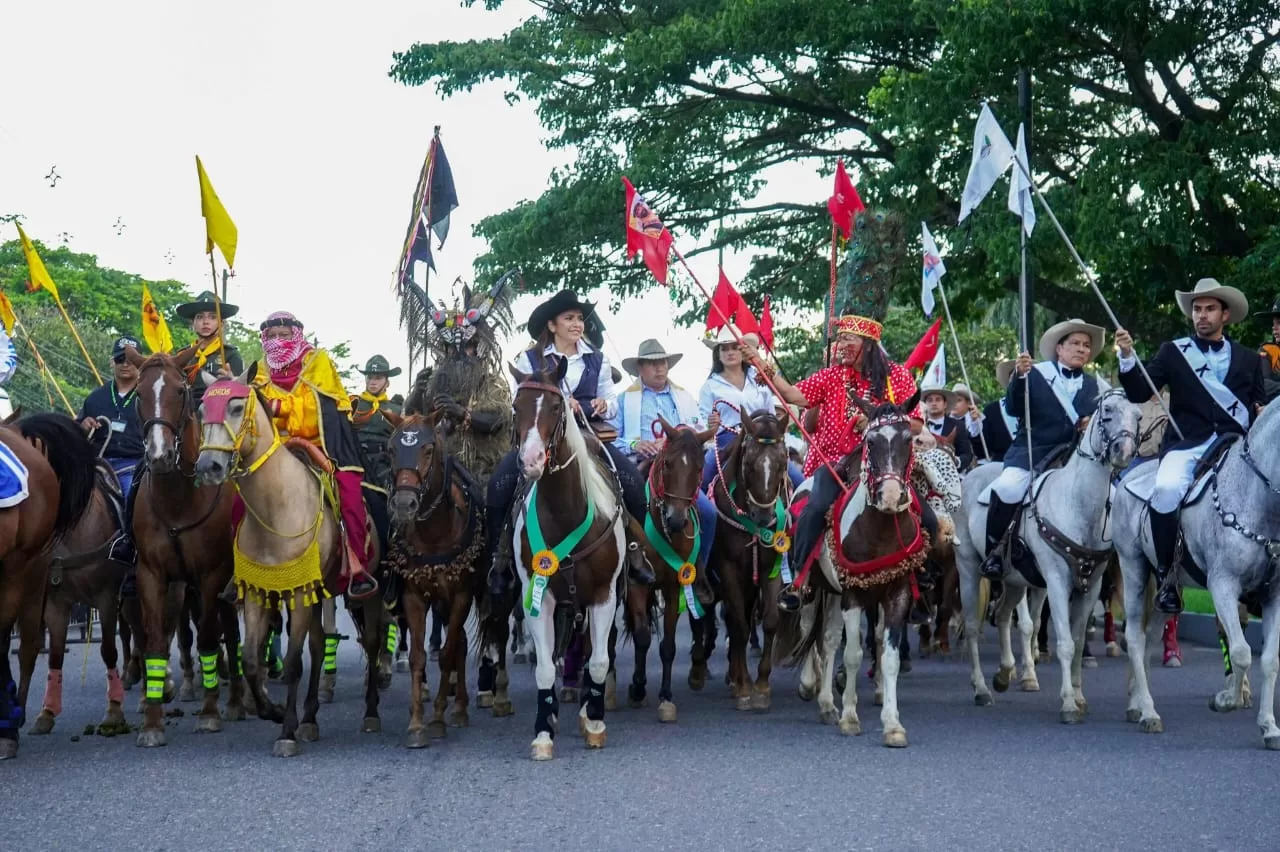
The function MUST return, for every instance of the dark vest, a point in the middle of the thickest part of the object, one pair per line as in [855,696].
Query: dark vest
[1050,426]
[995,432]
[592,363]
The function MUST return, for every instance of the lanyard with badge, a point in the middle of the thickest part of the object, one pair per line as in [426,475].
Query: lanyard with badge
[121,405]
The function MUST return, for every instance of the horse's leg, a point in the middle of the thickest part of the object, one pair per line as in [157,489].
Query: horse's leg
[230,621]
[415,614]
[12,714]
[1270,667]
[153,597]
[31,578]
[828,644]
[1081,610]
[762,693]
[970,600]
[208,638]
[329,619]
[809,666]
[850,725]
[108,603]
[436,728]
[309,726]
[600,623]
[1010,602]
[736,625]
[667,711]
[895,618]
[1226,594]
[371,638]
[1058,584]
[699,651]
[637,616]
[57,616]
[132,638]
[1031,602]
[286,745]
[256,621]
[187,689]
[455,648]
[542,631]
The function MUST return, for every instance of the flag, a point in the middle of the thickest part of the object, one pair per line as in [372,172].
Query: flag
[934,269]
[936,374]
[646,235]
[992,155]
[7,315]
[154,329]
[37,276]
[766,324]
[727,299]
[926,348]
[1020,202]
[439,202]
[844,202]
[218,227]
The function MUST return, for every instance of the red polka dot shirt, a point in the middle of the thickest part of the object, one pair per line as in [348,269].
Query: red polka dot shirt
[828,391]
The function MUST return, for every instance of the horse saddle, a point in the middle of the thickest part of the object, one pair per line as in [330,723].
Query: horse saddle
[1141,486]
[109,484]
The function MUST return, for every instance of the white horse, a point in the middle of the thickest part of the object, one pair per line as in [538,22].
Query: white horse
[1066,512]
[1232,531]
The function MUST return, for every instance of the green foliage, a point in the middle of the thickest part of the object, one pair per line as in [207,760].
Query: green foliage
[1156,123]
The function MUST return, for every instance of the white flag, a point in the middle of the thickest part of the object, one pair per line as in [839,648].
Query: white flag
[934,269]
[936,375]
[992,155]
[1020,200]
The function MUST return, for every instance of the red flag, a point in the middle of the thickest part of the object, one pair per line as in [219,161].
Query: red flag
[844,202]
[744,319]
[766,324]
[646,235]
[727,299]
[926,349]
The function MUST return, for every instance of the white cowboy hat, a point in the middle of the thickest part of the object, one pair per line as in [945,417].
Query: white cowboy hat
[724,335]
[928,390]
[650,350]
[961,390]
[1237,303]
[1004,371]
[1050,339]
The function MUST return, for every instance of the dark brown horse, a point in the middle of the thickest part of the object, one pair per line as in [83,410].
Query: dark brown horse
[59,462]
[673,537]
[751,494]
[569,546]
[439,525]
[183,535]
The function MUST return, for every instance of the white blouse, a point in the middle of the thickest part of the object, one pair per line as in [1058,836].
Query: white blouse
[573,374]
[752,396]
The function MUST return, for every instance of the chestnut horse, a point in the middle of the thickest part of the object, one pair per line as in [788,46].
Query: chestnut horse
[59,462]
[569,545]
[182,534]
[751,493]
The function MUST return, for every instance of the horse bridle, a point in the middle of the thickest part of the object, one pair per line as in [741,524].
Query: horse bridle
[742,461]
[874,480]
[420,489]
[248,429]
[557,434]
[1108,440]
[656,483]
[175,428]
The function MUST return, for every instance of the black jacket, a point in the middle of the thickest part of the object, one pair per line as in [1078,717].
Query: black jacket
[1050,425]
[956,435]
[995,433]
[1193,409]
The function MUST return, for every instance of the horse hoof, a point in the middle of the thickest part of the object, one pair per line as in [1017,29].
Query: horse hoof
[371,725]
[308,732]
[1089,662]
[1152,726]
[569,695]
[234,713]
[637,703]
[1029,684]
[1000,683]
[1174,661]
[284,748]
[502,708]
[436,729]
[1133,716]
[743,702]
[1271,743]
[169,691]
[728,680]
[1222,702]
[384,681]
[666,712]
[983,699]
[326,696]
[208,725]
[851,727]
[761,700]
[43,723]
[417,738]
[1070,717]
[484,700]
[402,666]
[595,738]
[697,679]
[828,715]
[807,691]
[8,749]
[543,750]
[1082,706]
[149,737]
[1113,649]
[520,659]
[895,739]
[459,720]
[187,692]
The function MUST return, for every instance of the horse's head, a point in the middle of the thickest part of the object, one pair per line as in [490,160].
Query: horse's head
[228,416]
[417,464]
[887,456]
[762,471]
[164,405]
[541,417]
[1112,433]
[676,473]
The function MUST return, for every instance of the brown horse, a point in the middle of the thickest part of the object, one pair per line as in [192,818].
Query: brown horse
[439,522]
[751,496]
[673,538]
[59,462]
[876,543]
[182,534]
[569,546]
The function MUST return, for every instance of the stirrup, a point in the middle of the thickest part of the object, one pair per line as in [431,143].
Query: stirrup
[361,586]
[638,566]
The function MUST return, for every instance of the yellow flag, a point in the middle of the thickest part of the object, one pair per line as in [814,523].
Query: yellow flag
[35,267]
[7,315]
[154,329]
[219,229]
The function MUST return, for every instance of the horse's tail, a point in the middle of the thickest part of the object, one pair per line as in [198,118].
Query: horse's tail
[650,615]
[72,458]
[791,633]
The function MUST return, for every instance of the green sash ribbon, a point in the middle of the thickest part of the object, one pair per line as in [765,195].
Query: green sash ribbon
[533,528]
[688,600]
[781,565]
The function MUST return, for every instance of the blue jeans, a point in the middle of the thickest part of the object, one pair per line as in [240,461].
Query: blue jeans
[124,469]
[722,442]
[707,522]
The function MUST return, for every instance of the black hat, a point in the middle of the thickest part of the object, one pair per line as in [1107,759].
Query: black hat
[1273,313]
[565,300]
[379,366]
[123,343]
[205,302]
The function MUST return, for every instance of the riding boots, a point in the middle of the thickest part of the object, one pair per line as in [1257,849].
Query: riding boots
[638,567]
[999,516]
[1164,537]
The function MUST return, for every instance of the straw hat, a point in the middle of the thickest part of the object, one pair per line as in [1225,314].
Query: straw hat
[650,350]
[1050,339]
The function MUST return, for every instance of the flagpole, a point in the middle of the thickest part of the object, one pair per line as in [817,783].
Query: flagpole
[217,312]
[425,216]
[44,368]
[955,339]
[1026,330]
[76,335]
[829,309]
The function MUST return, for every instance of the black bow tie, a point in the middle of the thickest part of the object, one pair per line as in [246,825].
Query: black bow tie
[1205,345]
[936,427]
[1068,373]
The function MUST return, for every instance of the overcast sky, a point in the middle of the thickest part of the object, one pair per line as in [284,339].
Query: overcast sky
[313,149]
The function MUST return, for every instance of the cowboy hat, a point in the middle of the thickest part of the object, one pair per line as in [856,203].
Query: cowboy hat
[650,350]
[1230,297]
[961,390]
[1050,339]
[927,391]
[205,302]
[379,366]
[1004,371]
[725,335]
[565,300]
[1274,312]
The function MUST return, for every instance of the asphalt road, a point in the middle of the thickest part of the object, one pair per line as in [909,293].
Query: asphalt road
[1004,777]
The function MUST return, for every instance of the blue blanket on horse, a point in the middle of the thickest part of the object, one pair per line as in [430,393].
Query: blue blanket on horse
[13,479]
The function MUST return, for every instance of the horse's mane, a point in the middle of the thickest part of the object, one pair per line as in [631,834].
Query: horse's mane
[591,477]
[72,458]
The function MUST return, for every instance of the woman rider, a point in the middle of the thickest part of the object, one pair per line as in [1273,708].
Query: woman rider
[306,400]
[861,368]
[557,326]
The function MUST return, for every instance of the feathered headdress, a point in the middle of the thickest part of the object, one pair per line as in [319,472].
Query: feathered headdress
[864,282]
[482,319]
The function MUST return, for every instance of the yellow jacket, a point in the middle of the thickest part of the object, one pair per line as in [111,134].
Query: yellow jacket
[297,412]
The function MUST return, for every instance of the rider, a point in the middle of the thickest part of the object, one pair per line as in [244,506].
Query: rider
[861,369]
[371,427]
[211,352]
[306,400]
[948,431]
[117,403]
[1062,393]
[1270,353]
[1215,389]
[557,325]
[999,424]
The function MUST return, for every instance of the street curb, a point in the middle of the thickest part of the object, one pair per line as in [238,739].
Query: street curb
[1199,629]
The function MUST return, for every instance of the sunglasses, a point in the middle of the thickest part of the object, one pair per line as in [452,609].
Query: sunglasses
[119,359]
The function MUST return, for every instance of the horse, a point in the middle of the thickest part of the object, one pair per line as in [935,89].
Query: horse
[1068,518]
[439,526]
[182,534]
[1230,546]
[751,494]
[288,548]
[673,541]
[569,546]
[59,462]
[937,479]
[867,562]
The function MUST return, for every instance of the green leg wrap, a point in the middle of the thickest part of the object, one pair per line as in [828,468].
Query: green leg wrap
[331,653]
[271,650]
[1226,654]
[156,668]
[208,669]
[393,638]
[239,660]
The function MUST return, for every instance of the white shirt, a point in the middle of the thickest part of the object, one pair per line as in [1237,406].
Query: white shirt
[1219,361]
[974,424]
[573,374]
[751,396]
[935,426]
